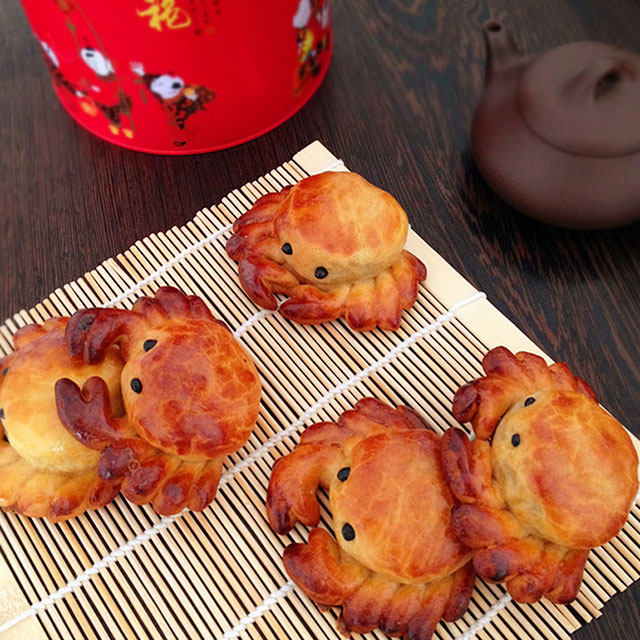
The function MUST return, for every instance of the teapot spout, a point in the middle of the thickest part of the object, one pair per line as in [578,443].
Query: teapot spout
[502,51]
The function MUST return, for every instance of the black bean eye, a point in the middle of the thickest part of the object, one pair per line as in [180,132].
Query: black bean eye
[515,439]
[2,413]
[529,401]
[500,574]
[136,385]
[4,371]
[343,474]
[176,85]
[286,248]
[149,344]
[347,532]
[321,272]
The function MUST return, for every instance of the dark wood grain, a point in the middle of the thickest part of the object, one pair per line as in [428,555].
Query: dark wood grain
[396,105]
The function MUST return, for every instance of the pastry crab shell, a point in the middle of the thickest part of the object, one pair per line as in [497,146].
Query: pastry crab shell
[191,396]
[334,244]
[44,471]
[549,476]
[395,562]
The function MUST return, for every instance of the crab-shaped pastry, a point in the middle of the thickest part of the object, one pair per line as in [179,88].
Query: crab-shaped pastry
[44,471]
[549,476]
[396,563]
[334,244]
[190,392]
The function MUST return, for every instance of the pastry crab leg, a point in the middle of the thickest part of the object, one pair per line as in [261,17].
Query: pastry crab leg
[172,303]
[331,577]
[309,305]
[397,289]
[261,278]
[325,573]
[254,225]
[569,577]
[91,331]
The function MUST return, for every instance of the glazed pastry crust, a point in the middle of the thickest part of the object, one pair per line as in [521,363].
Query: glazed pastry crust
[344,223]
[549,476]
[200,395]
[574,475]
[339,223]
[408,550]
[44,471]
[398,566]
[190,392]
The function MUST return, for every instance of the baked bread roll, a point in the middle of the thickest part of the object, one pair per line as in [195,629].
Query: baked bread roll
[334,244]
[44,471]
[191,396]
[394,562]
[549,476]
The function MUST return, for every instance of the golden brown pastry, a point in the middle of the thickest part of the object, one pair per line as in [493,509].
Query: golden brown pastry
[334,244]
[191,396]
[396,564]
[549,476]
[44,471]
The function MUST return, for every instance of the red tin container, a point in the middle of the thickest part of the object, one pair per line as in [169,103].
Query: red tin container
[182,76]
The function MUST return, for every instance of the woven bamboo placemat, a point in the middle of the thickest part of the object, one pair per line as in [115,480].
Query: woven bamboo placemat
[124,572]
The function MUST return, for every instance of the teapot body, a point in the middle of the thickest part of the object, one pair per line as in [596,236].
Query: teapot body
[557,136]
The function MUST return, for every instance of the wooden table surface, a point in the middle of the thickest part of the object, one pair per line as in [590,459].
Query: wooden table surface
[396,106]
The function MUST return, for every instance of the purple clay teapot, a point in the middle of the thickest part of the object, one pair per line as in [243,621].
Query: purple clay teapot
[557,136]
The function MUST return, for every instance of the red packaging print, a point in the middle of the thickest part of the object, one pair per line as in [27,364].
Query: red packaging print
[182,76]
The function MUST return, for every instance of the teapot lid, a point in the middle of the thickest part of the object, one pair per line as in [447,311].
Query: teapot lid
[583,98]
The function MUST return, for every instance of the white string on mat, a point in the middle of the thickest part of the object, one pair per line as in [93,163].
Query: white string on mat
[267,604]
[347,384]
[86,575]
[334,165]
[172,261]
[162,524]
[481,623]
[251,321]
[165,267]
[271,600]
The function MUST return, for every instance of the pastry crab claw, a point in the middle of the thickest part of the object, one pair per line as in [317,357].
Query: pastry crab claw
[549,476]
[91,331]
[394,562]
[129,463]
[510,378]
[190,392]
[44,471]
[334,244]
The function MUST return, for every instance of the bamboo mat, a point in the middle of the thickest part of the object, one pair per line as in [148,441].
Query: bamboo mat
[124,572]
